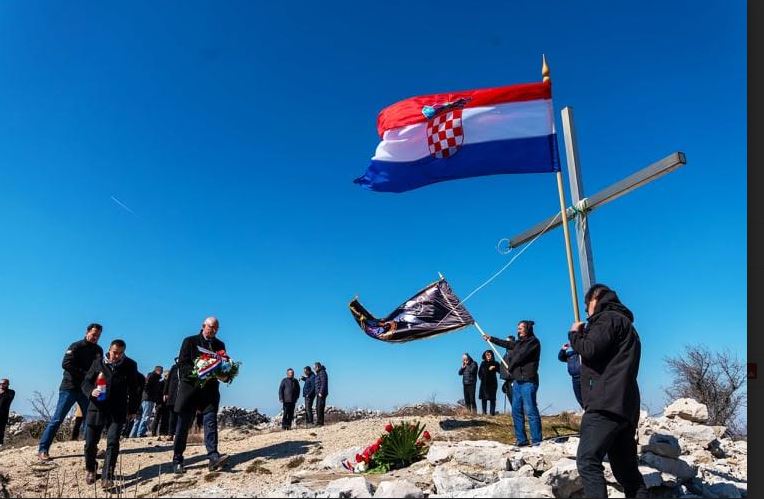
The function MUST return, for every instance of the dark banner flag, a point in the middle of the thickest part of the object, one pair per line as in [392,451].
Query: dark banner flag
[433,310]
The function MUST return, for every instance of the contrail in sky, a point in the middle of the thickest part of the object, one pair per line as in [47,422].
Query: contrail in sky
[122,205]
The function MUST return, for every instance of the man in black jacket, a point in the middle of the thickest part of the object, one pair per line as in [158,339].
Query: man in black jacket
[109,410]
[523,368]
[152,392]
[6,397]
[170,394]
[610,352]
[322,391]
[191,397]
[77,360]
[289,394]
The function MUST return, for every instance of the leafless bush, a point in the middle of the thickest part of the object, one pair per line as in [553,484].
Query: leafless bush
[42,406]
[715,379]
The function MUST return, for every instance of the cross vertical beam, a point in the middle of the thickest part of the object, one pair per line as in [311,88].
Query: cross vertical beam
[585,257]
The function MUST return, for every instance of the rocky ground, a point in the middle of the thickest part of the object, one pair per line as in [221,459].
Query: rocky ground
[680,456]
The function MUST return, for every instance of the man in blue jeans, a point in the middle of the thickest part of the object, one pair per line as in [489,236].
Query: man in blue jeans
[152,391]
[523,369]
[77,360]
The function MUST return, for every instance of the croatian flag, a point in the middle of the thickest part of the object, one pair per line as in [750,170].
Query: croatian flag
[488,131]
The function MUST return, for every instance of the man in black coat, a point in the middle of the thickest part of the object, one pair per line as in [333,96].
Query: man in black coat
[152,392]
[322,391]
[191,397]
[289,394]
[610,352]
[523,368]
[309,393]
[6,397]
[170,394]
[77,360]
[109,410]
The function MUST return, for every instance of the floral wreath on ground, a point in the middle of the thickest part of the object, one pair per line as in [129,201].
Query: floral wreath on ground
[401,445]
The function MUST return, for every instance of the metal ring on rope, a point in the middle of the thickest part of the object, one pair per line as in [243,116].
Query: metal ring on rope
[498,246]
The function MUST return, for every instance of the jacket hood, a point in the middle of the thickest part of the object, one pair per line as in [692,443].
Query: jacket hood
[610,301]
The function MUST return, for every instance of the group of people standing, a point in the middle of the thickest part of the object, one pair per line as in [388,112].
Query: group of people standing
[111,392]
[604,353]
[315,388]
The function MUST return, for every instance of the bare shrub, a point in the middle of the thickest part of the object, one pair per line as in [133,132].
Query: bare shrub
[42,407]
[715,379]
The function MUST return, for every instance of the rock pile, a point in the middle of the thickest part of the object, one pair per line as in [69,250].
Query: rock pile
[331,415]
[680,456]
[236,417]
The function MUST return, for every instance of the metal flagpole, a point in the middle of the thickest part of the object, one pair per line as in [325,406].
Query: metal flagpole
[563,216]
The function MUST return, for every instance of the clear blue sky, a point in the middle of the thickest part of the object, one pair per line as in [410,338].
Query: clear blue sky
[233,132]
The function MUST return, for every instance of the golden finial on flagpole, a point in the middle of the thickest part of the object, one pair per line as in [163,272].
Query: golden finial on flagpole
[544,69]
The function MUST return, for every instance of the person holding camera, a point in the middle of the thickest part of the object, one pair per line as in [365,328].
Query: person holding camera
[308,392]
[469,372]
[523,367]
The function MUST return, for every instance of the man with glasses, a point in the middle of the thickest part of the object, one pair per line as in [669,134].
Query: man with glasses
[77,361]
[191,397]
[6,397]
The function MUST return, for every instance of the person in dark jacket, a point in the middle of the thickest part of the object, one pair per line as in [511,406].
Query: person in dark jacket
[573,359]
[120,404]
[289,394]
[610,353]
[161,413]
[469,373]
[488,383]
[308,392]
[131,422]
[192,398]
[523,367]
[77,360]
[170,394]
[322,391]
[6,397]
[151,395]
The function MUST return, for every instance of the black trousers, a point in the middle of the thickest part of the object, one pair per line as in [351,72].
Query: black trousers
[161,420]
[76,427]
[3,423]
[210,423]
[605,433]
[320,407]
[469,397]
[484,403]
[288,417]
[173,422]
[309,409]
[92,437]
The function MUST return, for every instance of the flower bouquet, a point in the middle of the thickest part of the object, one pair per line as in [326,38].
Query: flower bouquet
[400,446]
[214,365]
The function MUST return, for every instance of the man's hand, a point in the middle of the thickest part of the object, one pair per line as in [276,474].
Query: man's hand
[485,337]
[132,417]
[565,346]
[492,368]
[95,393]
[165,397]
[577,326]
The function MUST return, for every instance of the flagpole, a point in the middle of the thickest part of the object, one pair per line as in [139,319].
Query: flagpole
[563,214]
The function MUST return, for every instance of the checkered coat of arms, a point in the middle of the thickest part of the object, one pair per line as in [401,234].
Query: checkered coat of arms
[445,133]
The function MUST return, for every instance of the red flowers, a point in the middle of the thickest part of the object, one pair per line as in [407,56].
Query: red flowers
[388,427]
[426,435]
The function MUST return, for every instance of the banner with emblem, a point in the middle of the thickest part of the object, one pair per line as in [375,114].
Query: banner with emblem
[469,133]
[433,310]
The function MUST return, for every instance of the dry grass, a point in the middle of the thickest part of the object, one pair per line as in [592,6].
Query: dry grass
[295,462]
[501,428]
[257,467]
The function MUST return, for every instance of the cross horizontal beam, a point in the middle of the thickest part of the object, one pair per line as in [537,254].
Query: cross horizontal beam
[618,189]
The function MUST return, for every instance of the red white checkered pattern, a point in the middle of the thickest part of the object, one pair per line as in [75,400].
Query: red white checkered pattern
[445,134]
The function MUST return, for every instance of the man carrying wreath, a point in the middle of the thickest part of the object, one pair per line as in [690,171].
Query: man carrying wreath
[192,397]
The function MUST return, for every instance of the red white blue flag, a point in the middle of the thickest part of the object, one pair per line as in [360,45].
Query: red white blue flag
[470,133]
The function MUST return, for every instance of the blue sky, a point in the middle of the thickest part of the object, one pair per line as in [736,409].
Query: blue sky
[233,132]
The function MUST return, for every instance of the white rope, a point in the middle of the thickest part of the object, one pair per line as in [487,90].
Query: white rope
[505,267]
